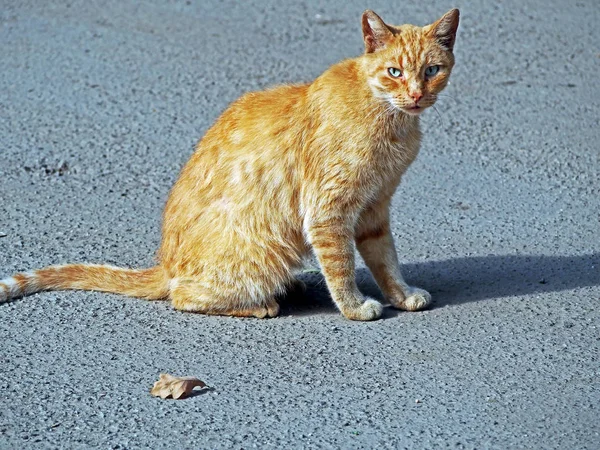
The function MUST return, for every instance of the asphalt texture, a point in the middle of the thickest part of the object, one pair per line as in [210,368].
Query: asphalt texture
[101,103]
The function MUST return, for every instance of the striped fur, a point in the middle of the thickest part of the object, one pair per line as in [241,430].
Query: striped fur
[286,172]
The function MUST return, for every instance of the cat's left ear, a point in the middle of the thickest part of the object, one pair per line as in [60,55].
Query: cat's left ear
[375,32]
[444,30]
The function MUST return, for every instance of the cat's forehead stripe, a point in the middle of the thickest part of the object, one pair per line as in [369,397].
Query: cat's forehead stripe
[410,48]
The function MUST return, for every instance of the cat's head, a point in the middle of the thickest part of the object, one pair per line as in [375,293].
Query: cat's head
[406,65]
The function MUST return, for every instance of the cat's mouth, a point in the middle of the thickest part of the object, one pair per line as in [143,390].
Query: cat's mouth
[412,110]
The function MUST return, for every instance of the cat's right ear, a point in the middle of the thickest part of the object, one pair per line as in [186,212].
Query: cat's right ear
[376,33]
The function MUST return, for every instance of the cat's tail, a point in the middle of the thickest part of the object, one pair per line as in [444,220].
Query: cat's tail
[151,284]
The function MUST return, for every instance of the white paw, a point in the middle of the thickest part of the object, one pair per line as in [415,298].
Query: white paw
[369,310]
[415,300]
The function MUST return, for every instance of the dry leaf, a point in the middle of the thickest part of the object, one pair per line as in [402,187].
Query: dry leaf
[176,387]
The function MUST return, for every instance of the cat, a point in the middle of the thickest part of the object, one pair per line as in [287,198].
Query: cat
[285,172]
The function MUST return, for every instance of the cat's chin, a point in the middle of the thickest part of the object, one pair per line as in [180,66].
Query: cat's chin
[413,111]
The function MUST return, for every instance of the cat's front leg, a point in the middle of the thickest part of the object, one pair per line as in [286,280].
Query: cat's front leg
[333,244]
[376,246]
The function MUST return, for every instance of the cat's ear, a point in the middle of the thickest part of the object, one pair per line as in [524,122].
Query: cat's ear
[375,32]
[444,30]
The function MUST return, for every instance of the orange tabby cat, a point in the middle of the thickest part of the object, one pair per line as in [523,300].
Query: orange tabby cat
[286,171]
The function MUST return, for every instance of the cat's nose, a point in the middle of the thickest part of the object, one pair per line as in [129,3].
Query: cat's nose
[416,96]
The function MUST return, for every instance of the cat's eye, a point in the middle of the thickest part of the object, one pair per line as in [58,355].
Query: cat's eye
[431,71]
[396,73]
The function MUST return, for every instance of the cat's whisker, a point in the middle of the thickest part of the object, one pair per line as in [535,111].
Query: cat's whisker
[438,113]
[447,95]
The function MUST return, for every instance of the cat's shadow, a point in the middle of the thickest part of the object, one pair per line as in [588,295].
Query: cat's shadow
[460,280]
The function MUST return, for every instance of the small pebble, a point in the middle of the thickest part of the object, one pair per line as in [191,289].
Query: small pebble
[2,234]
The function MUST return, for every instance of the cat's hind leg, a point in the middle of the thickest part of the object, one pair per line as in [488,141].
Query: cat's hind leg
[194,297]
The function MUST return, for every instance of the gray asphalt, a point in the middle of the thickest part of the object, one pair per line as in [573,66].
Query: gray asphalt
[101,103]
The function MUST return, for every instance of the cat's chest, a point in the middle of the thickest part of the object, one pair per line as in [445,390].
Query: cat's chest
[396,149]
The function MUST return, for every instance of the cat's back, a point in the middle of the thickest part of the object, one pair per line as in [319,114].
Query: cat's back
[261,116]
[258,129]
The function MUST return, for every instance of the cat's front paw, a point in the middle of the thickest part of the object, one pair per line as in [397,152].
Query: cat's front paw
[369,310]
[415,300]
